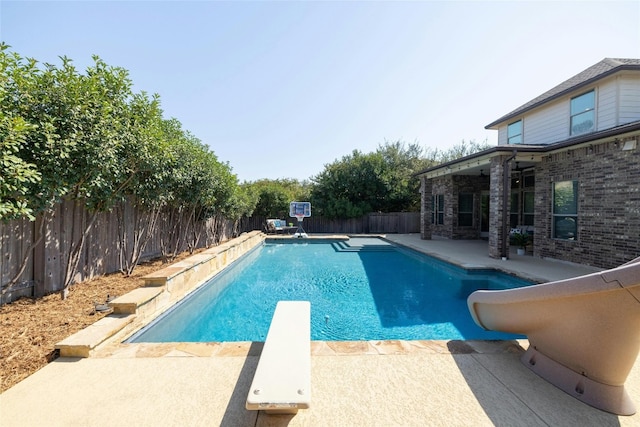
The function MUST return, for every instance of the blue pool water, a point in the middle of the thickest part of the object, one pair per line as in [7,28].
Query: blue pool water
[367,289]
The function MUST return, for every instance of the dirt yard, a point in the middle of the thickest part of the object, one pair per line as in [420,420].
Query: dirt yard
[29,329]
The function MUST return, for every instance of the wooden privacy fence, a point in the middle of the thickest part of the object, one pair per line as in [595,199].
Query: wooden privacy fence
[378,223]
[101,254]
[395,222]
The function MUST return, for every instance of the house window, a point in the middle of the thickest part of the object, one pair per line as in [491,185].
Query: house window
[465,210]
[528,207]
[514,210]
[437,209]
[514,133]
[583,113]
[565,210]
[529,181]
[528,199]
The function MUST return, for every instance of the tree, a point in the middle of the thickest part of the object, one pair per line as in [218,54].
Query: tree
[30,185]
[27,133]
[91,119]
[240,205]
[402,161]
[16,173]
[361,183]
[458,151]
[87,138]
[274,196]
[78,142]
[350,187]
[145,194]
[199,188]
[184,153]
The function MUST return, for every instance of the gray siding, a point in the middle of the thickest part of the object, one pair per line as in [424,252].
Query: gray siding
[548,125]
[629,99]
[607,106]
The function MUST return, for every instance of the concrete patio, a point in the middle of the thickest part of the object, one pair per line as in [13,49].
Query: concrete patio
[389,383]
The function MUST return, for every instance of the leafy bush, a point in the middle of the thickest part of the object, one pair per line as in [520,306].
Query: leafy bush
[521,239]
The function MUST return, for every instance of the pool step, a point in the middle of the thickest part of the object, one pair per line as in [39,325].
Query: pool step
[346,247]
[136,305]
[145,298]
[82,343]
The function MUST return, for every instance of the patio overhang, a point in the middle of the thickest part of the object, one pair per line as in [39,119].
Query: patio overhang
[480,163]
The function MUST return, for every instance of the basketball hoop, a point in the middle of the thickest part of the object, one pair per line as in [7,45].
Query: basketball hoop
[300,210]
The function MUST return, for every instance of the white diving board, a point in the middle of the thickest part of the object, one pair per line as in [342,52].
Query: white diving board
[282,382]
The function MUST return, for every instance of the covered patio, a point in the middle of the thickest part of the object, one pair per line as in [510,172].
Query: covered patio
[482,196]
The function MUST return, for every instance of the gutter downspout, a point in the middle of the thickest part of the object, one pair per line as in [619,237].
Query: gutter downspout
[505,202]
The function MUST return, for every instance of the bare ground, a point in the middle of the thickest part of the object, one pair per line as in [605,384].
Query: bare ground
[29,329]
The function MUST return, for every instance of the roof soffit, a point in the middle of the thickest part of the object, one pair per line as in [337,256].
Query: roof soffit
[480,162]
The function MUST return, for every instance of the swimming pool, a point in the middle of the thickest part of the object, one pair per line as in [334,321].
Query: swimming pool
[363,289]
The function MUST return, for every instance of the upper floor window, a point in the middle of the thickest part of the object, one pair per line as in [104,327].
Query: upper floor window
[514,133]
[583,113]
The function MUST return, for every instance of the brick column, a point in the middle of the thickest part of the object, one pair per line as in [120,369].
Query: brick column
[425,208]
[500,199]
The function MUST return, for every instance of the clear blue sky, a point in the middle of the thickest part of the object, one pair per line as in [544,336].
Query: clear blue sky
[279,89]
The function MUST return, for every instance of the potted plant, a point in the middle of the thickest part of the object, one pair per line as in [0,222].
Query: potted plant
[521,240]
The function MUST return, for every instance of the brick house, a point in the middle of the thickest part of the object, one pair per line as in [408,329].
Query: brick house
[566,170]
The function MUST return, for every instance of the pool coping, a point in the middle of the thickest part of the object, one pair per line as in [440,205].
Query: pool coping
[318,348]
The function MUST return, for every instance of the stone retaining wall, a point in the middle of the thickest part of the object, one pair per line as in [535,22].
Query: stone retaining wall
[160,291]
